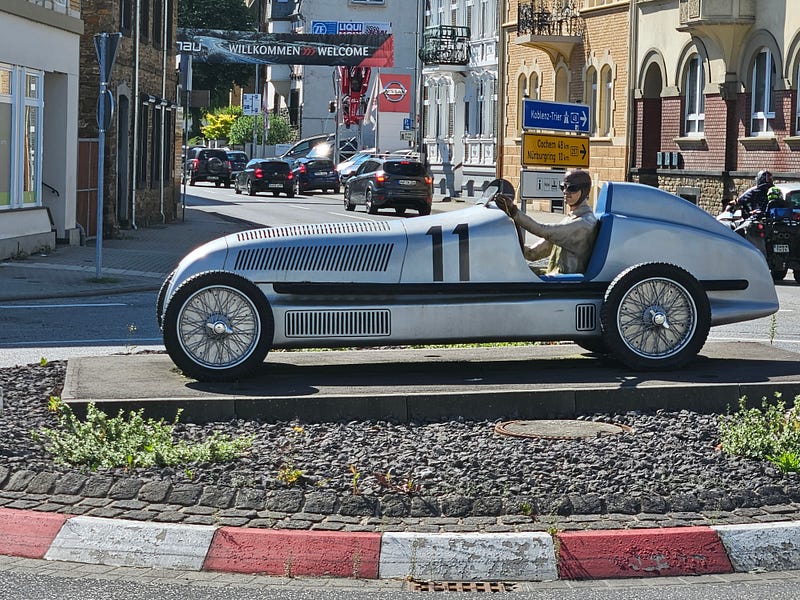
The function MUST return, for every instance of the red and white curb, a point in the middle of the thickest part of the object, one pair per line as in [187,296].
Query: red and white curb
[534,556]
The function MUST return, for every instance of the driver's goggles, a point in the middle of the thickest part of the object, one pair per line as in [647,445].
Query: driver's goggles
[572,188]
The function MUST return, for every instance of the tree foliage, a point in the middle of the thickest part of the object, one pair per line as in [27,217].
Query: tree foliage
[220,122]
[218,14]
[280,131]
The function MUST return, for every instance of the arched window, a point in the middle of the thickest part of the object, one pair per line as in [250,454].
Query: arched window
[562,85]
[606,101]
[797,103]
[763,94]
[591,99]
[533,86]
[694,80]
[522,93]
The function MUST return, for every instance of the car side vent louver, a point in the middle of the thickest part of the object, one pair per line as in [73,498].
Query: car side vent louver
[339,258]
[585,317]
[337,323]
[312,229]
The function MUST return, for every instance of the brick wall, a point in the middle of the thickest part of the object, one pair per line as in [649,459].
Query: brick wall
[103,16]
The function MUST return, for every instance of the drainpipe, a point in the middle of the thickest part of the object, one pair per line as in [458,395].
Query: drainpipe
[163,106]
[501,81]
[136,102]
[633,55]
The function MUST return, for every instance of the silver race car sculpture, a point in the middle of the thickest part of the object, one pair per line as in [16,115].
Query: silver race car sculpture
[662,272]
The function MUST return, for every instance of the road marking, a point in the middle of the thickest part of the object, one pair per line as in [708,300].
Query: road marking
[300,207]
[351,216]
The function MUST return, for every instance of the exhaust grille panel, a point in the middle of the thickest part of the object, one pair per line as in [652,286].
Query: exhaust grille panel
[338,323]
[312,229]
[368,257]
[585,317]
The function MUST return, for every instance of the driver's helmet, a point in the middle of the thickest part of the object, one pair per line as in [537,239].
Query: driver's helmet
[763,177]
[774,195]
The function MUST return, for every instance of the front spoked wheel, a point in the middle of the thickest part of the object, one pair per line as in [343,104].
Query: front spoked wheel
[218,327]
[655,316]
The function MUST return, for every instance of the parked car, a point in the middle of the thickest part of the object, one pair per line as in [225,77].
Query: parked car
[208,164]
[238,161]
[266,175]
[390,182]
[320,146]
[347,148]
[347,168]
[656,281]
[315,174]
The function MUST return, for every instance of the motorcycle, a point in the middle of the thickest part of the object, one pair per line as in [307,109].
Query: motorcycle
[775,231]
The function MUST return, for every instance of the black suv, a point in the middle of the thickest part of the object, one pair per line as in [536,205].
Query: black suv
[208,164]
[388,182]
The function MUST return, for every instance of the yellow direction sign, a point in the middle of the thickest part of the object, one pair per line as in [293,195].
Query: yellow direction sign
[549,150]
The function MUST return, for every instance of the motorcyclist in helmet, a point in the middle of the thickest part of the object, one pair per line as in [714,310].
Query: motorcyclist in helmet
[755,198]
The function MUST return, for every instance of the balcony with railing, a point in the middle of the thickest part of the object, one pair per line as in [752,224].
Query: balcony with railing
[695,13]
[554,26]
[67,7]
[445,45]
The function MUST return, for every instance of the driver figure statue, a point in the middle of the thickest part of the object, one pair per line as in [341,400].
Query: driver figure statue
[568,243]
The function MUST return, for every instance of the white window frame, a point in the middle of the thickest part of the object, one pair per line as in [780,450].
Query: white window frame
[694,117]
[761,116]
[797,102]
[20,102]
[592,98]
[606,81]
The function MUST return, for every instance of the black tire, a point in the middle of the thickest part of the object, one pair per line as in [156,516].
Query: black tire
[275,193]
[399,211]
[192,181]
[217,183]
[779,274]
[796,275]
[348,203]
[424,211]
[227,184]
[337,189]
[370,205]
[290,193]
[251,191]
[655,316]
[218,327]
[236,188]
[162,294]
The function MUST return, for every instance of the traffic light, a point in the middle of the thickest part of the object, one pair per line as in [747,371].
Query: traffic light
[332,106]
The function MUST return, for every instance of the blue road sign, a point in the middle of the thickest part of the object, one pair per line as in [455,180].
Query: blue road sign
[407,124]
[558,116]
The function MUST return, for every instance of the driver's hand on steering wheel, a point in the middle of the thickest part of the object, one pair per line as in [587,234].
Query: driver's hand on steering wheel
[506,204]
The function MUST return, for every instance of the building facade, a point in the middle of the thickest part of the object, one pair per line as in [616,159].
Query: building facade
[460,94]
[38,128]
[715,95]
[572,51]
[141,182]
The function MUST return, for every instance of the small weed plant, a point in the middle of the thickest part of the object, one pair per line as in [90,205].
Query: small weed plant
[771,432]
[128,441]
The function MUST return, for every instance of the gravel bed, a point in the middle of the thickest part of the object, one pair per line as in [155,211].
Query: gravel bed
[668,462]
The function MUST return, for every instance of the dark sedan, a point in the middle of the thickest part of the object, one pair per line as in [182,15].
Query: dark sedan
[315,174]
[238,160]
[387,182]
[265,175]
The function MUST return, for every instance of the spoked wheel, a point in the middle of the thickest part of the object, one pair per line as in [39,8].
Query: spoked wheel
[217,327]
[655,316]
[370,205]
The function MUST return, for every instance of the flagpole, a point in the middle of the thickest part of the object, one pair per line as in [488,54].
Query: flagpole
[378,114]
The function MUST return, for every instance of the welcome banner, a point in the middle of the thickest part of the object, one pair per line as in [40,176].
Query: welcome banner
[218,46]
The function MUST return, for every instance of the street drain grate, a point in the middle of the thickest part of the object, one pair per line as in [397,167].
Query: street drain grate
[460,586]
